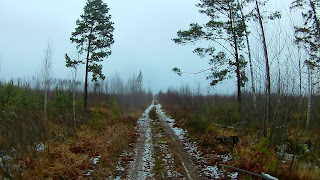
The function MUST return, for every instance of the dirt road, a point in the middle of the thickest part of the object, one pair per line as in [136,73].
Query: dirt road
[163,152]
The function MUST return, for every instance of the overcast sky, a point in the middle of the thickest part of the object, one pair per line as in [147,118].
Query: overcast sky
[143,33]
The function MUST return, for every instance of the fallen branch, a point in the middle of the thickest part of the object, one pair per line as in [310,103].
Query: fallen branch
[245,171]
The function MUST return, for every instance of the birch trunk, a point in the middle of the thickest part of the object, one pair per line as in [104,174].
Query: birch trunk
[46,71]
[74,97]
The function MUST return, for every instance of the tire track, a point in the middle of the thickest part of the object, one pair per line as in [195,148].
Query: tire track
[158,152]
[142,166]
[191,170]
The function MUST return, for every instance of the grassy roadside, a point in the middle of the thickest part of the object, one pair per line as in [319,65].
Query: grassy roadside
[251,153]
[168,164]
[92,152]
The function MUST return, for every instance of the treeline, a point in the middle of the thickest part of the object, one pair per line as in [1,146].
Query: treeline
[24,128]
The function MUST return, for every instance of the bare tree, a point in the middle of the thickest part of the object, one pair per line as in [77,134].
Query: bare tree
[265,52]
[74,86]
[268,83]
[46,73]
[246,32]
[132,88]
[310,93]
[300,92]
[308,35]
[74,69]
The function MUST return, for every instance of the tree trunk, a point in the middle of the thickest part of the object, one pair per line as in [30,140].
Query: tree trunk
[237,60]
[45,99]
[85,99]
[275,120]
[310,87]
[268,83]
[46,68]
[254,97]
[74,97]
[300,99]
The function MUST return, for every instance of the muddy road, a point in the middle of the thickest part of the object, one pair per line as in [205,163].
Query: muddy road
[163,152]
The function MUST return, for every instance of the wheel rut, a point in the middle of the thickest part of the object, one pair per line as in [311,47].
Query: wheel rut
[158,152]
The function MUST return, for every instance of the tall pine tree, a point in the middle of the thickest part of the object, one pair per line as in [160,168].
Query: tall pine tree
[225,30]
[94,37]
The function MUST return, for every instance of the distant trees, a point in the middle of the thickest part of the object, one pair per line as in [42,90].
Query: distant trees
[93,36]
[226,29]
[132,86]
[24,133]
[139,81]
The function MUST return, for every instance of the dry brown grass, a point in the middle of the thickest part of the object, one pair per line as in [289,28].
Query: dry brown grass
[72,158]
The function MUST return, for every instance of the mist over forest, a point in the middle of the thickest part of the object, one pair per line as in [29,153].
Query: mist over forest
[204,89]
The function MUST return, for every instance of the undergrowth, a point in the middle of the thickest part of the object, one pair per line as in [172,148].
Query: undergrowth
[105,139]
[72,155]
[213,125]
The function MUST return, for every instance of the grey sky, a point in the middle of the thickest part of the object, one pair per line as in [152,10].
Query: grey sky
[143,33]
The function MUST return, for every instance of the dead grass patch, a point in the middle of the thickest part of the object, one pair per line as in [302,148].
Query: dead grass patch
[72,157]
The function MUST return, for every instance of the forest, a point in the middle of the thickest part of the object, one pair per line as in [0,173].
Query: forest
[96,126]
